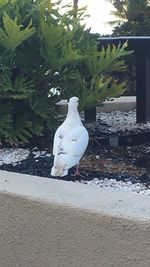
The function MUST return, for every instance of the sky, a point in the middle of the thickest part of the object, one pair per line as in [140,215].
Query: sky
[99,11]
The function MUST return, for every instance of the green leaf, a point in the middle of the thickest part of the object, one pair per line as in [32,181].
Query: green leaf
[6,122]
[104,89]
[20,89]
[57,46]
[4,2]
[13,35]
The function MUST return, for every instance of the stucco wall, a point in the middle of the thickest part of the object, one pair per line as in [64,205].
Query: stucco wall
[48,223]
[36,234]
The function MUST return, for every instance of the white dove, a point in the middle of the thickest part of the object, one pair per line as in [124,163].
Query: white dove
[70,141]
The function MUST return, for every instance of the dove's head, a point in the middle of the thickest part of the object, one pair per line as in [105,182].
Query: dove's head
[73,108]
[74,102]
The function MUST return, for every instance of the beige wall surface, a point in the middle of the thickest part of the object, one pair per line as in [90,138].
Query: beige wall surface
[38,234]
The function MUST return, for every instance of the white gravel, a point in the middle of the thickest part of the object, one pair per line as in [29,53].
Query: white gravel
[13,155]
[120,185]
[121,120]
[38,154]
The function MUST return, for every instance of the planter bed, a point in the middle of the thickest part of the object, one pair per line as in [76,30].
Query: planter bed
[51,222]
[125,166]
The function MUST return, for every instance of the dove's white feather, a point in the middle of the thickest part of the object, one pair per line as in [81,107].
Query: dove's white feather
[70,141]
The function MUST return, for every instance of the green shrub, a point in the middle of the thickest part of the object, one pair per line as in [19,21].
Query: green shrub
[25,75]
[94,78]
[42,51]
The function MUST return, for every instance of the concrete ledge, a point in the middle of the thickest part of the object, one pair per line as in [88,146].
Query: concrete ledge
[123,103]
[51,223]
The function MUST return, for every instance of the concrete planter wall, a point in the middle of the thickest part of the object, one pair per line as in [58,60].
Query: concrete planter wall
[123,103]
[51,223]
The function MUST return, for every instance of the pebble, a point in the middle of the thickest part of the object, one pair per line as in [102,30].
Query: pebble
[38,154]
[13,155]
[120,185]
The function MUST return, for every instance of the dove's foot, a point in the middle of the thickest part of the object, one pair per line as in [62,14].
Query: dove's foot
[77,172]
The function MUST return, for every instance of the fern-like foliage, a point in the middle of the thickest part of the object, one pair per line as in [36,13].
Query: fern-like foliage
[99,70]
[13,35]
[107,60]
[6,121]
[21,129]
[21,88]
[4,2]
[93,78]
[57,45]
[41,50]
[104,89]
[25,122]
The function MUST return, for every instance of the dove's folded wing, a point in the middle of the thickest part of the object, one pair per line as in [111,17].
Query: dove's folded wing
[59,135]
[72,148]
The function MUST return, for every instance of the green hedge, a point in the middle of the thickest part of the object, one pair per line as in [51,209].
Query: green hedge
[42,51]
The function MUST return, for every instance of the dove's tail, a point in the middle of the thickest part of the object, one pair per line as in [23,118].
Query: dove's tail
[58,171]
[59,167]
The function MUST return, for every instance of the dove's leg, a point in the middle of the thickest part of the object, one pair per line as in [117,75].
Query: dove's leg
[77,173]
